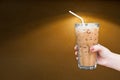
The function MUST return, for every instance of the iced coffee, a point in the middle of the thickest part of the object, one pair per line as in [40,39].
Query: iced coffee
[86,36]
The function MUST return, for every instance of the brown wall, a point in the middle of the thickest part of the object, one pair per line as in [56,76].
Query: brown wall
[37,39]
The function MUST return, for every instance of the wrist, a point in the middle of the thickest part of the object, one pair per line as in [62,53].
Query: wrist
[112,61]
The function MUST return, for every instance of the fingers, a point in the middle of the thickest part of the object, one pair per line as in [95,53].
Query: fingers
[76,48]
[76,51]
[76,58]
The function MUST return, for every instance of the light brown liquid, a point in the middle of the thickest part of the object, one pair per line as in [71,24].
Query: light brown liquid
[86,37]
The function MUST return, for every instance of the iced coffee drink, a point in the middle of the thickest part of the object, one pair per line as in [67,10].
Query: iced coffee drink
[86,37]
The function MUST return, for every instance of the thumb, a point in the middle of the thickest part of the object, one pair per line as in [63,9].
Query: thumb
[96,48]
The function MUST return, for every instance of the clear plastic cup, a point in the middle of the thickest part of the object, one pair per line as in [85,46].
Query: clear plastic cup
[86,36]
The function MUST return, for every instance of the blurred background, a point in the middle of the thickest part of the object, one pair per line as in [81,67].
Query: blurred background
[37,38]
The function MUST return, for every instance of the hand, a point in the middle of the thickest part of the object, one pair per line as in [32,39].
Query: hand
[104,56]
[102,53]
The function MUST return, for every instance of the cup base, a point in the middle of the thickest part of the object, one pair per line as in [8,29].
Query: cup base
[87,67]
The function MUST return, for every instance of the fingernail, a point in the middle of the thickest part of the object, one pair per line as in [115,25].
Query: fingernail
[92,49]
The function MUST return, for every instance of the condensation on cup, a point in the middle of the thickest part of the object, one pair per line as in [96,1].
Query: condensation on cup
[86,36]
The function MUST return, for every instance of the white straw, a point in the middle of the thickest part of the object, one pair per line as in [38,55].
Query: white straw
[78,17]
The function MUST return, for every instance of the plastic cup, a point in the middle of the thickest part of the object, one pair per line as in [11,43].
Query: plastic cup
[86,36]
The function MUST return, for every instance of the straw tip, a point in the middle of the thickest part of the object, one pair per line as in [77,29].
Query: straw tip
[70,11]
